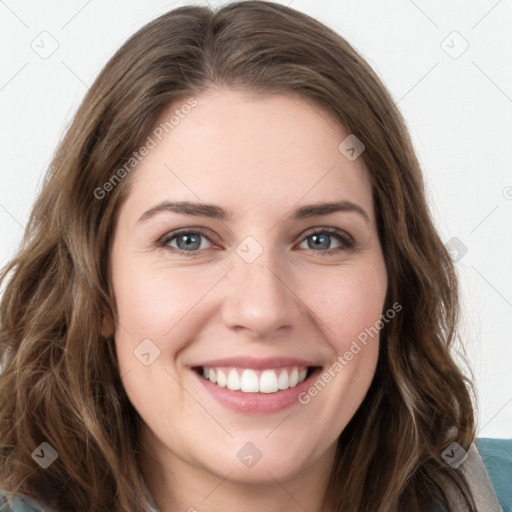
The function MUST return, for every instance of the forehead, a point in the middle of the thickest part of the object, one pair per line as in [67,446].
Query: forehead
[240,149]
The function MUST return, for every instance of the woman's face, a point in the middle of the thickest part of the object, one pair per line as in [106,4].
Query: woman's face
[266,291]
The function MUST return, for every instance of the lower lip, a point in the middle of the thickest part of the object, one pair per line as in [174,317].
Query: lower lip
[262,403]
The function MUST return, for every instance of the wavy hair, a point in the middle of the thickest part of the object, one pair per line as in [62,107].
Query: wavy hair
[60,381]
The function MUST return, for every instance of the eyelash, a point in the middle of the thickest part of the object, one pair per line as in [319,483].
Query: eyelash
[347,242]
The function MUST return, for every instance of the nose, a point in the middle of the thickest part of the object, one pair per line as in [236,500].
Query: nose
[260,297]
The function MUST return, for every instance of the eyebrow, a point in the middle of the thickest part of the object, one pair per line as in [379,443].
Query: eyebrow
[216,212]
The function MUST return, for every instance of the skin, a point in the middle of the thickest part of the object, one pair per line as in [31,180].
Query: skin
[258,157]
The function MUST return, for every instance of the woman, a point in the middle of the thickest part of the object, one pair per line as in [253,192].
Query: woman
[231,293]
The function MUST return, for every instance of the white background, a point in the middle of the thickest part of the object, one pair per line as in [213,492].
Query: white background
[459,111]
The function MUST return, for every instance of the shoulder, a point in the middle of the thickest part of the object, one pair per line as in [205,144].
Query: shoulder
[13,502]
[496,455]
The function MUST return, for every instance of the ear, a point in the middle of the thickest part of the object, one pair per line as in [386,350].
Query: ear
[107,326]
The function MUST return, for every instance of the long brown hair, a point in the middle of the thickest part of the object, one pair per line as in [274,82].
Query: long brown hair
[60,382]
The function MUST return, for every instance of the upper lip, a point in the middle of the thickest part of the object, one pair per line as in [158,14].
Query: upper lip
[255,363]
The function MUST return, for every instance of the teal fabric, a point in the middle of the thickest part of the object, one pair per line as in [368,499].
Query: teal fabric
[496,455]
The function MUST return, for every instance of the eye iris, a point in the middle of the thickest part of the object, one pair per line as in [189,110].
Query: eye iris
[187,241]
[320,241]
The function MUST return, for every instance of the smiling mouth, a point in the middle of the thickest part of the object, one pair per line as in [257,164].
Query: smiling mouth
[248,380]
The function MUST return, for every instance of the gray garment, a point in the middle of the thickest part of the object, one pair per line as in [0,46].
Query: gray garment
[480,484]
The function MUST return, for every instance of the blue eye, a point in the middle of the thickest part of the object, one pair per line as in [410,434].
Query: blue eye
[321,240]
[188,241]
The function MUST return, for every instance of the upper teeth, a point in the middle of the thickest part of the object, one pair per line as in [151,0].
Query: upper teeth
[252,381]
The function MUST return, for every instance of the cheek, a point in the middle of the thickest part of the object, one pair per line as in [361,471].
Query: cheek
[155,303]
[146,305]
[348,302]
